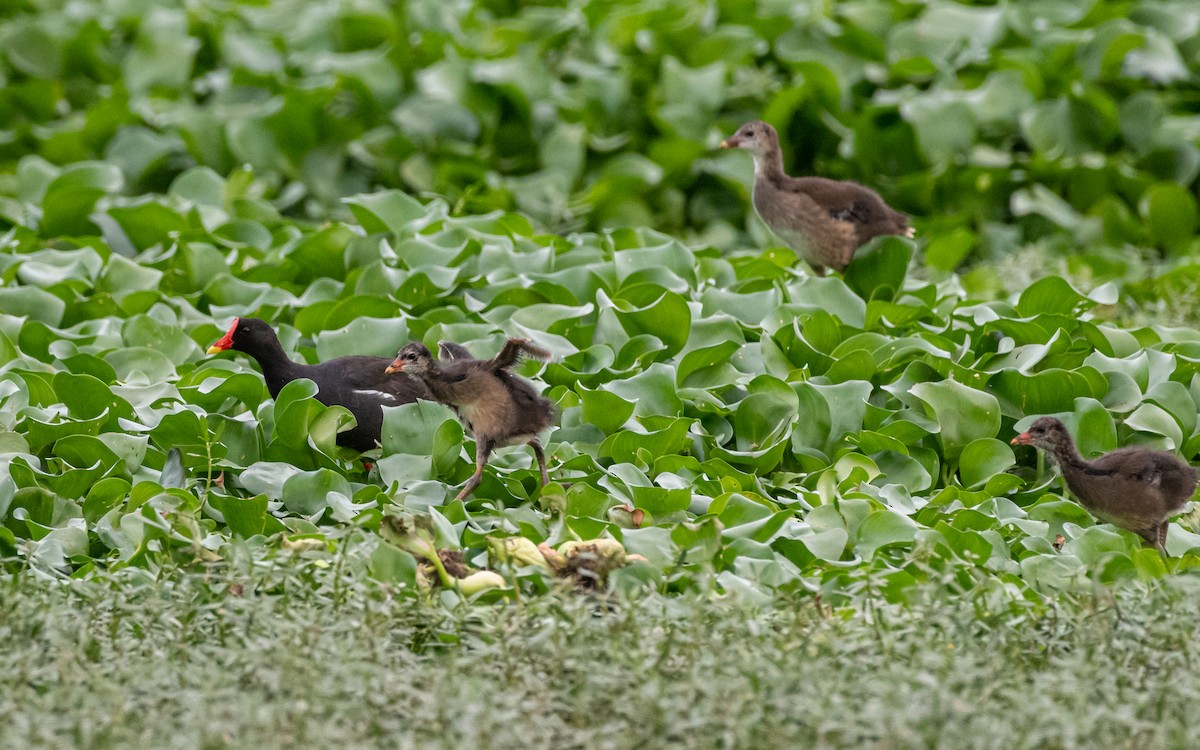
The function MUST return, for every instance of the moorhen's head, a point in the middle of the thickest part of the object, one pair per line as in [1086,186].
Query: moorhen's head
[1046,433]
[413,359]
[248,335]
[755,136]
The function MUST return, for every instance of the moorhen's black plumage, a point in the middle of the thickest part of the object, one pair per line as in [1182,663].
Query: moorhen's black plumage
[823,220]
[498,407]
[361,384]
[1135,488]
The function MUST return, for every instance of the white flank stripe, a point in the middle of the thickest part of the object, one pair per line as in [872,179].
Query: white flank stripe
[375,394]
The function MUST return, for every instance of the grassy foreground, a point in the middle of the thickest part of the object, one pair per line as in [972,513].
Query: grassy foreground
[312,659]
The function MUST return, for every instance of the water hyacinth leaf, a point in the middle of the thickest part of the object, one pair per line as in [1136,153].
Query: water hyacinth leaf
[947,250]
[40,434]
[419,429]
[668,318]
[200,185]
[766,414]
[245,516]
[364,336]
[879,268]
[1049,391]
[392,565]
[1173,398]
[148,224]
[963,414]
[217,387]
[71,196]
[1054,295]
[173,474]
[34,303]
[652,391]
[1170,212]
[698,542]
[179,430]
[696,361]
[812,432]
[1097,542]
[605,409]
[1154,420]
[267,478]
[657,437]
[295,409]
[321,254]
[881,528]
[386,211]
[982,459]
[87,397]
[104,495]
[828,544]
[85,450]
[306,493]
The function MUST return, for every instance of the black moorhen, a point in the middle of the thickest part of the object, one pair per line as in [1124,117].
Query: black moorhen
[499,407]
[1134,488]
[358,383]
[823,220]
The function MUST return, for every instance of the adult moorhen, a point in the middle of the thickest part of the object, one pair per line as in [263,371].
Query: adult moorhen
[823,220]
[358,383]
[499,407]
[1134,488]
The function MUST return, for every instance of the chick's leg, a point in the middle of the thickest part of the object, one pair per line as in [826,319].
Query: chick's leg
[483,449]
[541,460]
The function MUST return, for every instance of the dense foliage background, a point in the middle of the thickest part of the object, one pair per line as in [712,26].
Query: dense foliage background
[365,173]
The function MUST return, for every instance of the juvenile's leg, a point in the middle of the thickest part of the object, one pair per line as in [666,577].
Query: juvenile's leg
[1156,536]
[1161,537]
[483,449]
[541,459]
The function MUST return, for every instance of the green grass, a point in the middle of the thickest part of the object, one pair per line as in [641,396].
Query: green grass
[317,659]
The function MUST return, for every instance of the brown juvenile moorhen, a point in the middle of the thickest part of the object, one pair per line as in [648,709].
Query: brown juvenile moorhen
[499,407]
[357,383]
[1134,488]
[823,220]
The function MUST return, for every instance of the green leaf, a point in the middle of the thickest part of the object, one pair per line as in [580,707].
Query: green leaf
[881,528]
[963,414]
[1051,294]
[1170,213]
[385,211]
[604,409]
[392,565]
[71,196]
[982,459]
[668,318]
[245,516]
[306,493]
[879,269]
